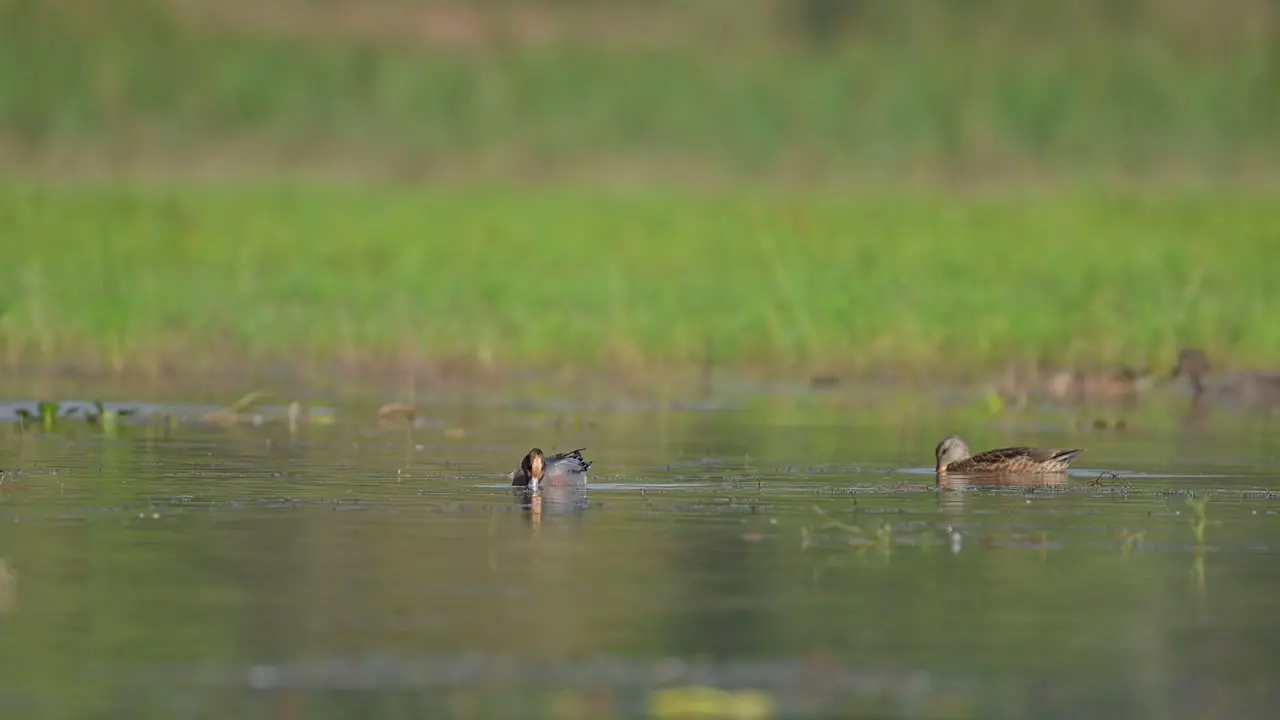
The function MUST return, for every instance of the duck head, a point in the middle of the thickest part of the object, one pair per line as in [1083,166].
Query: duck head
[951,449]
[534,466]
[1194,364]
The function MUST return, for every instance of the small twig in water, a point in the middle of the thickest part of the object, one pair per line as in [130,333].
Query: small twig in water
[231,414]
[1097,482]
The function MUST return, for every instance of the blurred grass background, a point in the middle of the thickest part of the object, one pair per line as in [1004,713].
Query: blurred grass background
[792,181]
[643,90]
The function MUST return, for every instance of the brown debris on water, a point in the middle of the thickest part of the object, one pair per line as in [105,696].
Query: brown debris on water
[397,414]
[1102,423]
[824,380]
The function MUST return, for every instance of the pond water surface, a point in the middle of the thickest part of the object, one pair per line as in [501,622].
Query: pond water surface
[763,555]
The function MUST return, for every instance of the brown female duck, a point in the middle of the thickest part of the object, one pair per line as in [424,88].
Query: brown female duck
[1115,384]
[954,456]
[568,468]
[1260,387]
[1075,385]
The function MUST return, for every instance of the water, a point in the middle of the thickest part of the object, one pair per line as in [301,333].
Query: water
[771,554]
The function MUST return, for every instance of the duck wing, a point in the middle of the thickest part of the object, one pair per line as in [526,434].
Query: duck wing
[568,463]
[1014,457]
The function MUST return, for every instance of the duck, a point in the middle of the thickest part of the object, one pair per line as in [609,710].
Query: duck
[953,455]
[1195,365]
[1074,385]
[561,469]
[1115,384]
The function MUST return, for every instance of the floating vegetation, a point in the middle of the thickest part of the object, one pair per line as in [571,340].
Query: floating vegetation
[995,402]
[1199,520]
[1199,517]
[108,419]
[237,412]
[8,588]
[879,539]
[1129,540]
[241,412]
[710,702]
[48,414]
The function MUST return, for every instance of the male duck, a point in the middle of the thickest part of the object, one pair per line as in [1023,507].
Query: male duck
[568,468]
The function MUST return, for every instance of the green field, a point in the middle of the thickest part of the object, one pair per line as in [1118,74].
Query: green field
[133,277]
[785,184]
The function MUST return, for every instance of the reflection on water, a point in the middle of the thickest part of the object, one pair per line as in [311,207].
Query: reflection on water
[763,558]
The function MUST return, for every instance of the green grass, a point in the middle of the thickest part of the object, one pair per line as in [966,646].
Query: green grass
[1001,88]
[132,276]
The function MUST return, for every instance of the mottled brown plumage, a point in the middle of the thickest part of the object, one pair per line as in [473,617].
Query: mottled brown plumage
[1261,387]
[954,456]
[1076,385]
[1118,383]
